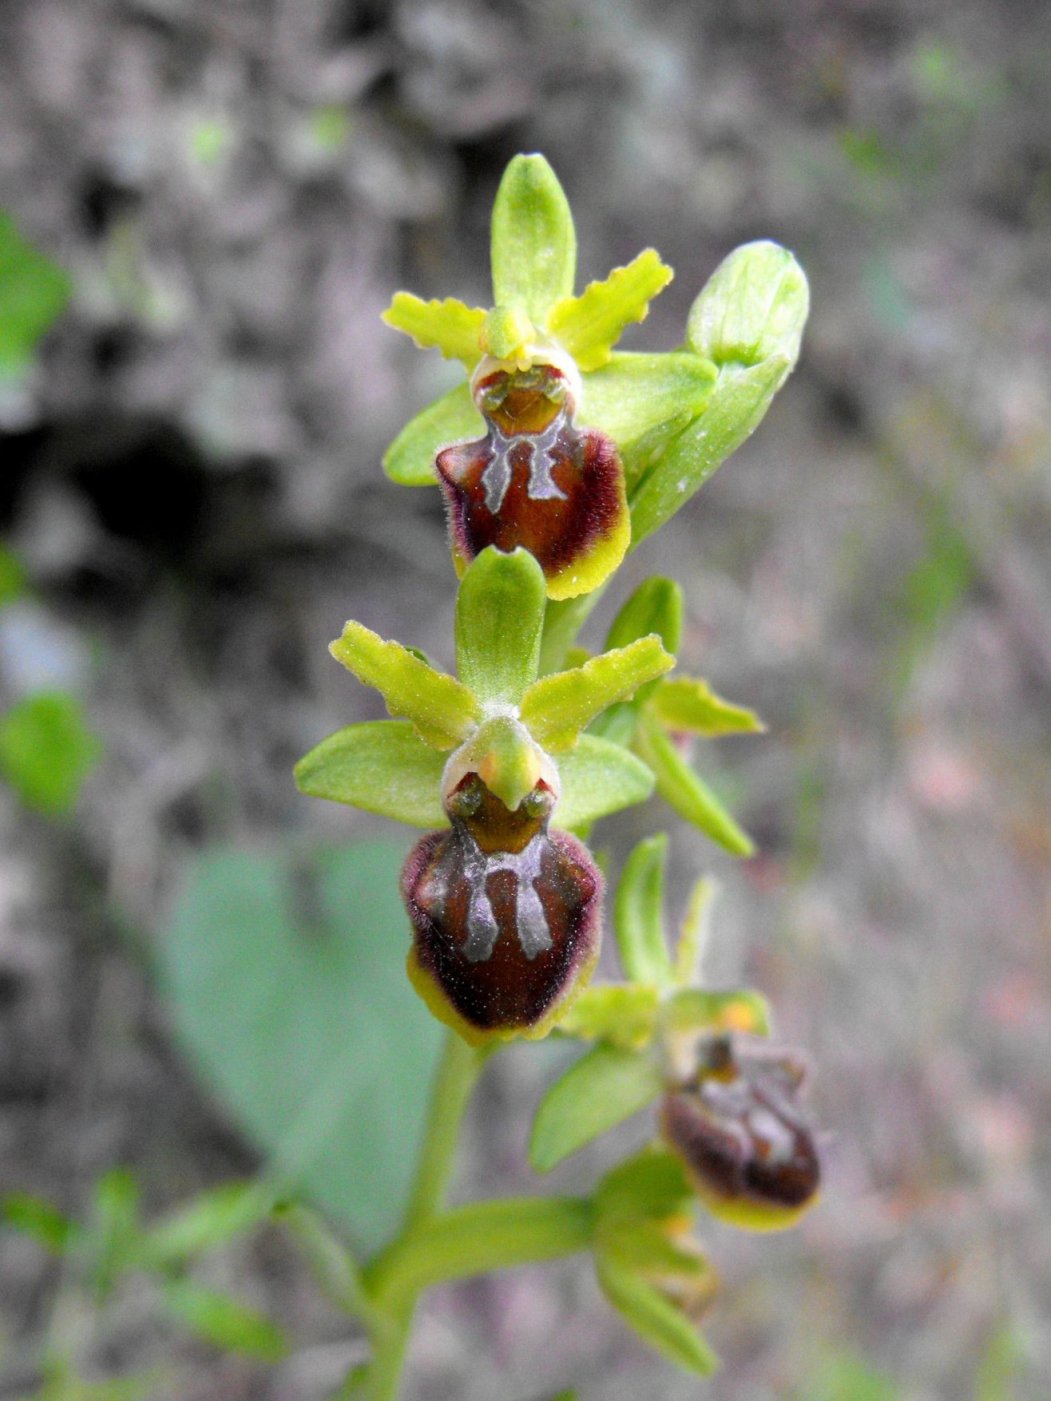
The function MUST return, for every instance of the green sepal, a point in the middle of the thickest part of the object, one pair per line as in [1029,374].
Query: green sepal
[749,321]
[598,778]
[686,703]
[697,1009]
[499,622]
[534,243]
[633,394]
[441,708]
[381,766]
[623,1014]
[453,418]
[598,1092]
[590,325]
[556,708]
[686,792]
[449,326]
[638,914]
[752,308]
[652,1183]
[654,1317]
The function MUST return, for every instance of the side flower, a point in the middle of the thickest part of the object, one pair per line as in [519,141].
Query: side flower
[504,901]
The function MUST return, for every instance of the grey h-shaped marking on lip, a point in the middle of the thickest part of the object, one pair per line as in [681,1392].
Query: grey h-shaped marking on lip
[531,926]
[496,477]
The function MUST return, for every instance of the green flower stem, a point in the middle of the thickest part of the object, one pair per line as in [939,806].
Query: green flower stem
[471,1240]
[454,1080]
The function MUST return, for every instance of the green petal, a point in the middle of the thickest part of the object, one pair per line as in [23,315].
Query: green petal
[749,320]
[556,708]
[590,325]
[453,418]
[638,914]
[601,1090]
[441,708]
[499,622]
[753,308]
[449,326]
[680,786]
[633,394]
[599,777]
[534,244]
[688,704]
[621,1013]
[382,766]
[654,1318]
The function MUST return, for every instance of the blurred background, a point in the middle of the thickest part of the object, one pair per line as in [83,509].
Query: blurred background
[207,203]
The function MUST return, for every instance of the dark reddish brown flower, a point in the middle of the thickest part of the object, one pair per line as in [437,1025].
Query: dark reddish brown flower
[738,1127]
[538,481]
[505,914]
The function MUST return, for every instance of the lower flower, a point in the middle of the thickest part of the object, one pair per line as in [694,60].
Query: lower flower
[739,1130]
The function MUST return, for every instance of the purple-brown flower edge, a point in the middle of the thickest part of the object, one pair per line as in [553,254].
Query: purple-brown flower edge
[536,480]
[505,915]
[747,1145]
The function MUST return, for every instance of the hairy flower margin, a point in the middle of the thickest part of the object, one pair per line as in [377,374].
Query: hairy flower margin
[556,456]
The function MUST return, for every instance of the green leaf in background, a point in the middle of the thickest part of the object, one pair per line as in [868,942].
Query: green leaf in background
[12,576]
[599,778]
[534,243]
[686,791]
[638,914]
[556,708]
[453,418]
[40,1220]
[224,1322]
[381,766]
[210,1219]
[115,1231]
[46,750]
[442,710]
[590,325]
[598,1092]
[845,1377]
[33,293]
[287,987]
[499,621]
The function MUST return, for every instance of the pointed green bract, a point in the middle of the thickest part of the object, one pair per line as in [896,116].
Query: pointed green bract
[534,243]
[450,326]
[752,308]
[599,778]
[381,766]
[441,708]
[499,621]
[689,704]
[601,1090]
[687,793]
[453,418]
[633,394]
[590,325]
[638,914]
[556,708]
[621,1013]
[693,933]
[655,1319]
[655,607]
